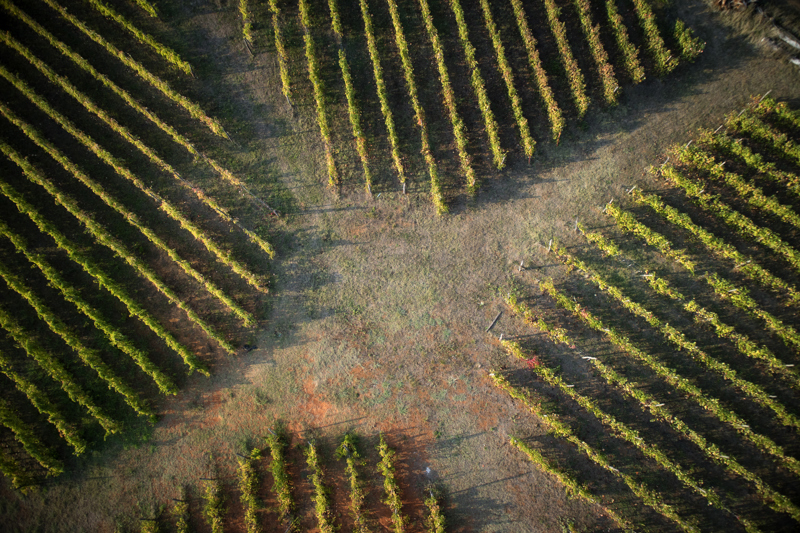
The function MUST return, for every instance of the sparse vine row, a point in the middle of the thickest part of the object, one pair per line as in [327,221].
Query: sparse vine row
[248,488]
[282,485]
[104,237]
[558,428]
[419,113]
[479,87]
[247,21]
[504,68]
[319,95]
[459,130]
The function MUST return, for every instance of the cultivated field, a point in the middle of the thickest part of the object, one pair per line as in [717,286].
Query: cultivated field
[434,265]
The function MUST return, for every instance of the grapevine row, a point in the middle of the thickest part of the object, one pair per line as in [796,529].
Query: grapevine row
[282,485]
[168,54]
[764,169]
[628,223]
[352,102]
[691,46]
[504,68]
[214,506]
[283,58]
[574,488]
[223,256]
[681,342]
[620,429]
[390,486]
[53,367]
[348,451]
[434,522]
[559,429]
[478,86]
[247,23]
[92,268]
[649,403]
[89,356]
[665,63]
[181,513]
[25,434]
[191,107]
[576,84]
[131,217]
[14,472]
[169,130]
[553,111]
[419,113]
[604,68]
[248,489]
[459,130]
[691,155]
[629,51]
[777,501]
[319,95]
[322,504]
[102,235]
[702,315]
[147,7]
[780,110]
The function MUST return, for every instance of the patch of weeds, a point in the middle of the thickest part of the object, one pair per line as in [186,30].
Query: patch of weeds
[345,395]
[261,398]
[439,395]
[402,409]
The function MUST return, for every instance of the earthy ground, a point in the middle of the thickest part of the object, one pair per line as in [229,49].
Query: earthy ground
[378,309]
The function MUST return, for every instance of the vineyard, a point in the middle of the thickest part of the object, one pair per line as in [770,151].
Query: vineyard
[689,332]
[275,497]
[219,215]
